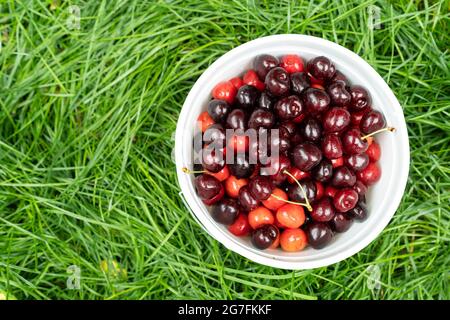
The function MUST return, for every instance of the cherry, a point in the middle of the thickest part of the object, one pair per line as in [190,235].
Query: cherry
[296,138]
[233,185]
[277,81]
[374,151]
[306,156]
[319,234]
[321,68]
[278,141]
[246,199]
[370,175]
[241,167]
[289,126]
[222,175]
[289,107]
[215,136]
[238,143]
[292,63]
[208,187]
[290,216]
[323,210]
[360,188]
[265,101]
[330,191]
[356,117]
[357,162]
[237,82]
[225,211]
[265,236]
[240,227]
[278,166]
[296,193]
[353,142]
[332,146]
[204,121]
[343,177]
[261,118]
[338,94]
[372,121]
[360,98]
[212,159]
[297,174]
[259,217]
[299,119]
[341,222]
[224,90]
[236,119]
[315,82]
[247,96]
[292,240]
[323,171]
[340,77]
[260,187]
[251,78]
[276,200]
[311,130]
[345,199]
[218,110]
[316,100]
[336,119]
[336,163]
[263,64]
[320,190]
[359,212]
[299,82]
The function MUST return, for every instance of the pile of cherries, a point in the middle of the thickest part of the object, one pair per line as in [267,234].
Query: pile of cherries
[327,154]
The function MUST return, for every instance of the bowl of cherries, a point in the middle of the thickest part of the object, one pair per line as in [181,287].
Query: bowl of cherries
[292,151]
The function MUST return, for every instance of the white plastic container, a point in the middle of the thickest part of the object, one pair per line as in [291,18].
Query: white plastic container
[383,198]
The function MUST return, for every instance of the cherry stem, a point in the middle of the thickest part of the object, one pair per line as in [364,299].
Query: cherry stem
[390,129]
[307,204]
[291,202]
[186,170]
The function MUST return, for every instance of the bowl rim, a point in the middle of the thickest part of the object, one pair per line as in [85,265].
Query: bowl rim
[194,204]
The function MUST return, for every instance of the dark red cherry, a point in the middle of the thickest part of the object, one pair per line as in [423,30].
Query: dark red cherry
[332,146]
[263,64]
[316,100]
[241,167]
[213,159]
[340,77]
[296,194]
[260,187]
[261,118]
[278,141]
[277,82]
[319,234]
[371,174]
[289,107]
[277,167]
[323,171]
[207,186]
[218,110]
[336,119]
[360,188]
[359,212]
[236,119]
[247,96]
[306,156]
[297,138]
[345,199]
[352,142]
[372,121]
[357,162]
[215,134]
[321,68]
[343,177]
[356,117]
[311,130]
[360,98]
[289,127]
[263,237]
[265,102]
[247,200]
[225,211]
[341,222]
[299,82]
[338,94]
[323,210]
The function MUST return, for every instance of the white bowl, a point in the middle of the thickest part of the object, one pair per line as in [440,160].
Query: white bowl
[383,198]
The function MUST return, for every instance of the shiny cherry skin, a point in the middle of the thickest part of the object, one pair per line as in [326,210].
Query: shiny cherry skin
[316,100]
[263,63]
[372,121]
[311,130]
[261,118]
[233,185]
[336,163]
[251,78]
[277,82]
[323,210]
[289,127]
[222,175]
[323,172]
[260,216]
[332,146]
[241,167]
[343,177]
[237,82]
[247,96]
[321,68]
[289,107]
[293,240]
[225,211]
[265,236]
[213,159]
[345,199]
[360,98]
[238,142]
[292,63]
[236,119]
[240,227]
[356,117]
[215,136]
[330,191]
[340,77]
[218,110]
[246,199]
[290,216]
[338,94]
[273,203]
[204,121]
[353,143]
[265,101]
[359,212]
[360,188]
[341,222]
[319,234]
[279,142]
[295,193]
[320,190]
[374,151]
[277,167]
[336,119]
[299,82]
[298,174]
[207,186]
[371,174]
[225,91]
[357,162]
[261,187]
[306,156]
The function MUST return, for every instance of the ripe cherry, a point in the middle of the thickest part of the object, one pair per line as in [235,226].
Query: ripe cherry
[263,63]
[356,117]
[320,190]
[261,118]
[336,119]
[238,143]
[289,107]
[265,101]
[260,187]
[290,216]
[233,185]
[357,162]
[345,199]
[360,98]
[215,136]
[277,81]
[259,217]
[353,143]
[311,130]
[265,236]
[341,222]
[218,110]
[277,166]
[316,100]
[225,91]
[372,121]
[240,227]
[236,119]
[297,194]
[360,188]
[306,156]
[323,210]
[374,151]
[338,94]
[299,82]
[246,199]
[247,96]
[293,240]
[359,212]
[298,174]
[336,163]
[323,171]
[251,78]
[370,175]
[208,188]
[330,191]
[212,159]
[332,146]
[321,68]
[237,82]
[340,77]
[222,175]
[276,200]
[225,211]
[343,177]
[319,234]
[292,63]
[204,121]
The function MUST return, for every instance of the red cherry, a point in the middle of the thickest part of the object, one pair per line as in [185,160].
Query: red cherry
[222,175]
[259,217]
[345,199]
[370,175]
[355,117]
[225,90]
[216,198]
[330,191]
[292,240]
[240,226]
[374,151]
[337,162]
[292,63]
[204,120]
[239,143]
[273,203]
[251,78]
[237,82]
[233,185]
[290,216]
[300,118]
[298,174]
[320,191]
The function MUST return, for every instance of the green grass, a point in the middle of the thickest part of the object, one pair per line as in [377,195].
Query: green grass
[86,119]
